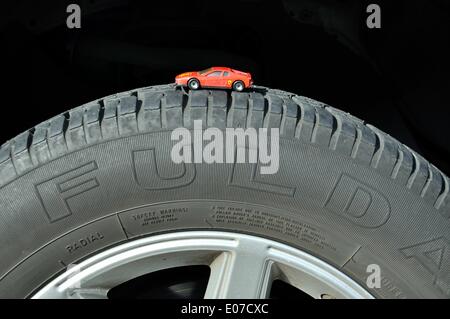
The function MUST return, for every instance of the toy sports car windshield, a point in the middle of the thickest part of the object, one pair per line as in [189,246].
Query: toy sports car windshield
[220,77]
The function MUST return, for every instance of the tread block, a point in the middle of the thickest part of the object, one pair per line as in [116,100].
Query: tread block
[239,100]
[323,128]
[256,108]
[75,136]
[420,175]
[91,113]
[289,118]
[21,156]
[346,136]
[385,158]
[40,133]
[434,185]
[273,116]
[55,137]
[20,143]
[196,108]
[56,126]
[109,125]
[7,171]
[5,152]
[237,115]
[150,100]
[40,152]
[126,115]
[127,105]
[219,99]
[364,147]
[198,99]
[75,119]
[91,123]
[290,109]
[307,118]
[404,166]
[217,113]
[110,109]
[275,104]
[173,99]
[172,112]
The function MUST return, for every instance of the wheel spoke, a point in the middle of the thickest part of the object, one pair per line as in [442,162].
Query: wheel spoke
[243,273]
[89,293]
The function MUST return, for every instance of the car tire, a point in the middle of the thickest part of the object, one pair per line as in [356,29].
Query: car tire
[238,86]
[345,192]
[193,84]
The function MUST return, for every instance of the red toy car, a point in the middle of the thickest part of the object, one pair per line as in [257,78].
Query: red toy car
[216,77]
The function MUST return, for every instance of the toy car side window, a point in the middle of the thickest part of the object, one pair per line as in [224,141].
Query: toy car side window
[215,73]
[226,73]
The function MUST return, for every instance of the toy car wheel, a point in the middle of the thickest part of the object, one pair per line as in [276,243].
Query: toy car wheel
[194,84]
[238,86]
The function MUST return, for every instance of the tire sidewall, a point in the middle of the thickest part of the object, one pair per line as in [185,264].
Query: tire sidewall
[296,206]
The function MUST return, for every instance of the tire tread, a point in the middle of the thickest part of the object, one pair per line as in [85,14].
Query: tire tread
[168,106]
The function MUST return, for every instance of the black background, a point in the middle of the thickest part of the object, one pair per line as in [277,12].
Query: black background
[395,78]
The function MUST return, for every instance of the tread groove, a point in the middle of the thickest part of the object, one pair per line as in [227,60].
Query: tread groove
[444,193]
[379,146]
[356,143]
[428,182]
[398,164]
[415,170]
[335,132]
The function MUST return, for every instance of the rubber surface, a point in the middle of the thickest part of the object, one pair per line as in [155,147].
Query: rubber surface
[101,174]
